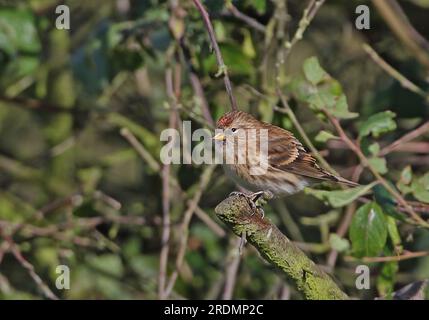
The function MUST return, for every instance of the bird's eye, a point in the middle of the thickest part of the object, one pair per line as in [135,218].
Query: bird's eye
[234,129]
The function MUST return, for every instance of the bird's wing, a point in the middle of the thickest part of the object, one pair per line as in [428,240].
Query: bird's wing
[286,153]
[283,147]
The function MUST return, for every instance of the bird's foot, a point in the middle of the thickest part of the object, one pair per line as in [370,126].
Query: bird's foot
[256,200]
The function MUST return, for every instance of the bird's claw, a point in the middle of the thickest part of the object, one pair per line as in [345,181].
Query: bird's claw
[256,200]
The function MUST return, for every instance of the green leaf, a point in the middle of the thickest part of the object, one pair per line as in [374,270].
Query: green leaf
[235,59]
[368,230]
[247,46]
[313,71]
[259,5]
[387,202]
[379,164]
[341,109]
[340,198]
[337,243]
[324,136]
[89,178]
[374,149]
[420,188]
[405,180]
[378,124]
[108,263]
[406,175]
[18,31]
[393,232]
[386,279]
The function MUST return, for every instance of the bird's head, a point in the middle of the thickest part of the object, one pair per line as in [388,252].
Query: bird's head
[232,123]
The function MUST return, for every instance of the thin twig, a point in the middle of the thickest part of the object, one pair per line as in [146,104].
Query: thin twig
[341,231]
[405,256]
[406,138]
[196,84]
[366,163]
[221,64]
[404,146]
[14,249]
[192,204]
[155,166]
[204,217]
[308,15]
[165,237]
[395,17]
[231,270]
[407,84]
[252,22]
[141,150]
[346,220]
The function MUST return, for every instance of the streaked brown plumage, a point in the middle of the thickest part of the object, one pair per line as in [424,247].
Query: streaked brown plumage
[290,168]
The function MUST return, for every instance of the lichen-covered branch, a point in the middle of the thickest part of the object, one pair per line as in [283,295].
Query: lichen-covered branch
[277,249]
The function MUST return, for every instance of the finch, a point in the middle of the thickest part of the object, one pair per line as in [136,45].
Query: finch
[288,167]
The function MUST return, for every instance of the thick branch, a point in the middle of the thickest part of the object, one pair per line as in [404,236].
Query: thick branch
[278,250]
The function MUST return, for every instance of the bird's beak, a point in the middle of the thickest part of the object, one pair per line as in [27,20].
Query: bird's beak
[219,137]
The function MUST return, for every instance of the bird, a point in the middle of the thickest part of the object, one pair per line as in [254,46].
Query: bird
[289,168]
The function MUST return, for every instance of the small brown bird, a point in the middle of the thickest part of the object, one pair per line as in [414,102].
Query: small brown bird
[289,168]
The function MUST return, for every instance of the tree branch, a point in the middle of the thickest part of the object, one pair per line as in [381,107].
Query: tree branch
[364,161]
[246,19]
[278,250]
[405,83]
[221,64]
[396,19]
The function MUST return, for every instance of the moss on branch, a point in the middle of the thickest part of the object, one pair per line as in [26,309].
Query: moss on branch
[278,250]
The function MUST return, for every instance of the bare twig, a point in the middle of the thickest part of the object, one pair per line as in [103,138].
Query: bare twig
[14,249]
[245,18]
[406,138]
[209,222]
[405,256]
[221,64]
[346,220]
[141,150]
[165,237]
[341,231]
[36,104]
[192,204]
[366,163]
[153,163]
[308,15]
[72,200]
[231,270]
[404,146]
[407,84]
[196,84]
[395,17]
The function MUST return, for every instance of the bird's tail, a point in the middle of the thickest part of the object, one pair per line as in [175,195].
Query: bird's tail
[345,181]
